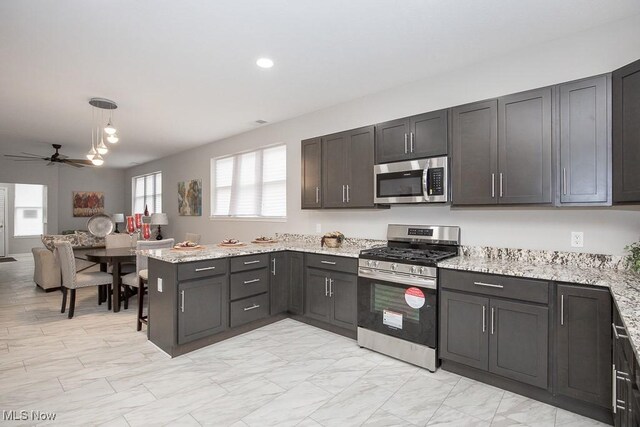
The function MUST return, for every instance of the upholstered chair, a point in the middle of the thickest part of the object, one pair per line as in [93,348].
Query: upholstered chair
[140,277]
[193,237]
[72,280]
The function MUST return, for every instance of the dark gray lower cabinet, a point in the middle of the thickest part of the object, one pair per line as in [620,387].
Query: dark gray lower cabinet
[296,282]
[279,282]
[463,329]
[202,309]
[626,397]
[332,297]
[317,295]
[518,343]
[583,340]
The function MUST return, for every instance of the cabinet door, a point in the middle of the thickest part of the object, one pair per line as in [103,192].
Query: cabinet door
[360,168]
[296,282]
[474,135]
[428,137]
[392,141]
[278,282]
[311,175]
[624,411]
[584,141]
[343,292]
[583,335]
[626,133]
[334,170]
[464,335]
[524,147]
[202,308]
[518,343]
[318,302]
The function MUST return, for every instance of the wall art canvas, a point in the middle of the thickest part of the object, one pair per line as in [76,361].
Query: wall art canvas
[190,198]
[88,203]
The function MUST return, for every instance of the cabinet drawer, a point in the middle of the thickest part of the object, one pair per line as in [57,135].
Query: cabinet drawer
[249,283]
[249,309]
[198,269]
[249,262]
[500,286]
[332,262]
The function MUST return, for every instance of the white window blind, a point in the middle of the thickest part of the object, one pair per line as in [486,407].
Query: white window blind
[251,184]
[147,191]
[29,210]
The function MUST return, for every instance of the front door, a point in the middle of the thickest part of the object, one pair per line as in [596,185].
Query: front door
[3,221]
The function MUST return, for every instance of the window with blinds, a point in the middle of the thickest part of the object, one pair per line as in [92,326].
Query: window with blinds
[147,191]
[29,209]
[251,184]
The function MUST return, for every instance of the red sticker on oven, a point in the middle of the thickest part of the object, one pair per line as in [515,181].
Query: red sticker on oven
[414,297]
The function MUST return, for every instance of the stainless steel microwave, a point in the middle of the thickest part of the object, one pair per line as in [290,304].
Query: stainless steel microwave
[413,181]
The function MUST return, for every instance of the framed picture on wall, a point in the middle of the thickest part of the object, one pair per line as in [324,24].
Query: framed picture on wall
[88,203]
[190,198]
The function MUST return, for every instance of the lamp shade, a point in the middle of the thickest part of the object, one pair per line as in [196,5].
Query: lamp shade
[118,218]
[159,219]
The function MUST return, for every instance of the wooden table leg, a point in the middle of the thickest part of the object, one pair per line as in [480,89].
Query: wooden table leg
[116,286]
[103,289]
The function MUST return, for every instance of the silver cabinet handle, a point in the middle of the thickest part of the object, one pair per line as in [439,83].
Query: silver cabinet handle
[247,282]
[326,286]
[330,287]
[493,185]
[492,323]
[488,285]
[484,319]
[182,301]
[501,193]
[328,262]
[405,143]
[564,180]
[253,307]
[273,268]
[411,142]
[343,196]
[618,335]
[317,194]
[614,392]
[251,262]
[204,269]
[561,310]
[348,197]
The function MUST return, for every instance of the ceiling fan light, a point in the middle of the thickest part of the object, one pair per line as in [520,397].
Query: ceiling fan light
[112,139]
[110,129]
[97,160]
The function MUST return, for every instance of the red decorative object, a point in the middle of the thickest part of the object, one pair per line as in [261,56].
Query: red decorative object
[138,221]
[131,228]
[146,231]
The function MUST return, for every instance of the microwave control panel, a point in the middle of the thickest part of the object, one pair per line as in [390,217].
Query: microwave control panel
[435,181]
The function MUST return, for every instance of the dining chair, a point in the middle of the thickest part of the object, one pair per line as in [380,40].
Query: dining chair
[114,241]
[71,279]
[193,237]
[140,277]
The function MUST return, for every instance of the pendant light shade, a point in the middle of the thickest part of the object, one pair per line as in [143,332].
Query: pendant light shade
[110,129]
[112,139]
[92,153]
[98,129]
[98,160]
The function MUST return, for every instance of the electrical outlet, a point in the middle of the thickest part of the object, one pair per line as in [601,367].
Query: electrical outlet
[577,239]
[318,228]
[159,284]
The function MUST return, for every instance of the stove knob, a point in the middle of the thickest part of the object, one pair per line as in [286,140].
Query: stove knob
[394,266]
[376,264]
[413,269]
[369,263]
[421,270]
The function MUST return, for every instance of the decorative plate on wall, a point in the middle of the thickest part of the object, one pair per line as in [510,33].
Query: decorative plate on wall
[100,225]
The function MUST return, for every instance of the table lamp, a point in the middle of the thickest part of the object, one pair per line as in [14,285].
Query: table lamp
[159,219]
[117,219]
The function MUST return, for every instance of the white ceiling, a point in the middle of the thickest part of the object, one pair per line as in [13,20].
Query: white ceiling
[184,74]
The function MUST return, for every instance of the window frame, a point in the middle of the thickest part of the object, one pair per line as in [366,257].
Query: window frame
[45,190]
[133,191]
[249,218]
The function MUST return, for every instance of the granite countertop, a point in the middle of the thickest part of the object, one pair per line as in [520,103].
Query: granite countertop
[624,284]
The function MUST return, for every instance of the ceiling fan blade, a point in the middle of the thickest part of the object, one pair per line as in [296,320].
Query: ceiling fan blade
[26,157]
[28,160]
[82,162]
[31,154]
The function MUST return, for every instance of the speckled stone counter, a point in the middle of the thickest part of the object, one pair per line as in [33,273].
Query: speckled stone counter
[583,269]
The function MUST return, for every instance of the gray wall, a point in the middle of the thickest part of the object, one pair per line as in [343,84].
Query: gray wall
[589,53]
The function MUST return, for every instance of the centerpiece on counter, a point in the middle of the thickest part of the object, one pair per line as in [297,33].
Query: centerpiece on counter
[332,239]
[231,243]
[264,239]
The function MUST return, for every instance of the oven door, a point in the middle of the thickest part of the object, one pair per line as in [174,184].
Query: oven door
[399,305]
[400,182]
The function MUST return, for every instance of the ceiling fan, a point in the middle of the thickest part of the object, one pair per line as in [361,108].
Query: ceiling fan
[54,158]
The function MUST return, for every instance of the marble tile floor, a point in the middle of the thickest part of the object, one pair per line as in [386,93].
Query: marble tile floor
[95,369]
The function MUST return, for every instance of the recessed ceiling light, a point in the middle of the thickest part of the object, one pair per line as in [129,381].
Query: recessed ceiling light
[264,63]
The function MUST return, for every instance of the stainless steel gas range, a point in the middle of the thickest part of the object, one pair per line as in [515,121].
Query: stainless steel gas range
[398,292]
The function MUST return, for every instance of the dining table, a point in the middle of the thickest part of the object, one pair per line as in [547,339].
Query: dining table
[116,257]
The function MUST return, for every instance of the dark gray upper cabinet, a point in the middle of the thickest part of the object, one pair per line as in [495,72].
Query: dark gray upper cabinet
[424,135]
[583,176]
[524,147]
[311,173]
[343,291]
[583,340]
[463,329]
[202,307]
[279,282]
[626,133]
[518,343]
[296,282]
[474,140]
[347,169]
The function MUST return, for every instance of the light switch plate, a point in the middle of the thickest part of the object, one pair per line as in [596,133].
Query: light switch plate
[159,284]
[318,228]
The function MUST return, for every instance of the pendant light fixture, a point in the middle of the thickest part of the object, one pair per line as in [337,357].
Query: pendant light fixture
[98,147]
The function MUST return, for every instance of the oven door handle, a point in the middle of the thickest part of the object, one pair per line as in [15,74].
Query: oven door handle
[405,279]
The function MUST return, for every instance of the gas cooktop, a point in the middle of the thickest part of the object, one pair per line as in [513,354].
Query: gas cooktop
[428,257]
